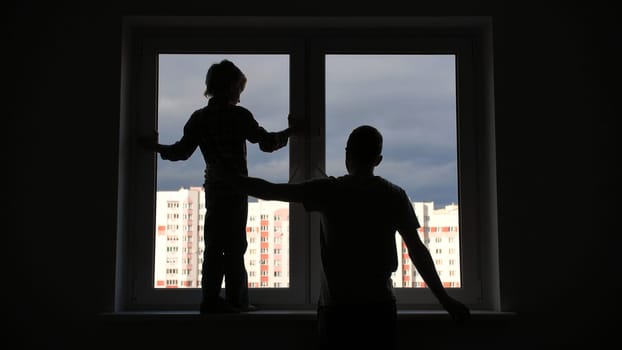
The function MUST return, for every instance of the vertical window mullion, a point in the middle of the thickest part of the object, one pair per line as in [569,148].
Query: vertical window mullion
[317,148]
[299,151]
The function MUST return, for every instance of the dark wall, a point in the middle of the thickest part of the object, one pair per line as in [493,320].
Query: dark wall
[555,88]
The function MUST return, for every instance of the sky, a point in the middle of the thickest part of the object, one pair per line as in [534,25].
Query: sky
[411,99]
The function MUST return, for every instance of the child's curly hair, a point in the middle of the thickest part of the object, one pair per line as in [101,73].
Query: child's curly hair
[223,79]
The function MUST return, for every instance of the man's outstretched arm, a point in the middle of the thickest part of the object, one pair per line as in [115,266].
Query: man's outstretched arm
[421,257]
[267,190]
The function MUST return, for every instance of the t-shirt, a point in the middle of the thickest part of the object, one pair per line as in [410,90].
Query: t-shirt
[359,218]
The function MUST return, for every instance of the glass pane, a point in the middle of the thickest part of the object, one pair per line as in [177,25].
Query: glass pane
[411,100]
[180,203]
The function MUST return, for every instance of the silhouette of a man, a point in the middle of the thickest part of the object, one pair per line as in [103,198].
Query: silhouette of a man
[360,214]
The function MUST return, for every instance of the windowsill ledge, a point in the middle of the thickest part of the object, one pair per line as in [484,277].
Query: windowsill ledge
[301,315]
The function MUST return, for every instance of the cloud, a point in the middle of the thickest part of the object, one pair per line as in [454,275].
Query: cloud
[409,98]
[273,169]
[174,175]
[413,176]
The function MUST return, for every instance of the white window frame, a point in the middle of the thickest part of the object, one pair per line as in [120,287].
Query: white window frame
[307,40]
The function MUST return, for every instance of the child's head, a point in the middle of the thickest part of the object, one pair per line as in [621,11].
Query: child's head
[224,80]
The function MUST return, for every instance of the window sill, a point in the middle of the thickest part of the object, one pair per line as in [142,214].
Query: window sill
[293,315]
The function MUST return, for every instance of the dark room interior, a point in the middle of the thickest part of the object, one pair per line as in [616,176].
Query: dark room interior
[556,87]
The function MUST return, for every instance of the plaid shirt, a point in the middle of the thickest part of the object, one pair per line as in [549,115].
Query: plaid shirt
[221,130]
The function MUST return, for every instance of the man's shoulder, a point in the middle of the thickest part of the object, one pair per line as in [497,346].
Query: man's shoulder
[318,187]
[389,184]
[377,183]
[322,181]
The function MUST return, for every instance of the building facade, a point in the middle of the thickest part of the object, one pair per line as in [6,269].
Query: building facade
[179,243]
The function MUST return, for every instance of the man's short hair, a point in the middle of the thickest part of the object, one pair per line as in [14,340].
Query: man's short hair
[364,144]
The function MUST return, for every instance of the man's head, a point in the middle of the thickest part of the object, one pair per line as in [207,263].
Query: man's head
[363,149]
[224,80]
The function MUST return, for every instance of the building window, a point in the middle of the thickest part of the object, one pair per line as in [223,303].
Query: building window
[458,158]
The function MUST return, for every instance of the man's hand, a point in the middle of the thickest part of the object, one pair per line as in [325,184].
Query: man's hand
[457,310]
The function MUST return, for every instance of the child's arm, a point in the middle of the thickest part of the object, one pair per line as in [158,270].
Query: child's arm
[272,141]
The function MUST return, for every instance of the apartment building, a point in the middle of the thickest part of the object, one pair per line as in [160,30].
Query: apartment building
[179,242]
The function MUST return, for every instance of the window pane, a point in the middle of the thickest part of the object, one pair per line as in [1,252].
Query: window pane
[411,100]
[180,206]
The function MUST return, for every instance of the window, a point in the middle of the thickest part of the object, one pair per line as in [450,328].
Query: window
[311,54]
